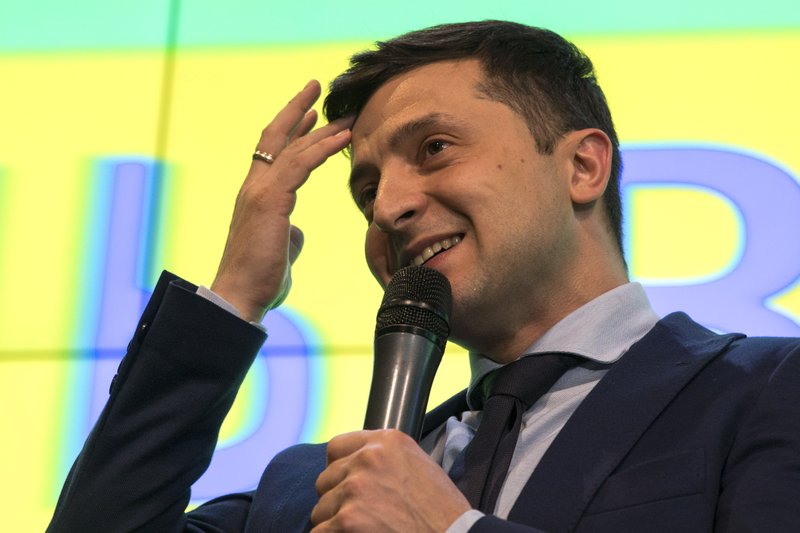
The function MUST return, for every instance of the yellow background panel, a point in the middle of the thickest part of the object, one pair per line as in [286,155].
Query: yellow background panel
[33,393]
[60,114]
[729,88]
[702,240]
[788,301]
[738,89]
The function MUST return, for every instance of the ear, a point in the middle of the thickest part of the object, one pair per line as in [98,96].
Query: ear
[590,153]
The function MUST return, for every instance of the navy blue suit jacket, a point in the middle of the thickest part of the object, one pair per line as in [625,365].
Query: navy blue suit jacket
[689,431]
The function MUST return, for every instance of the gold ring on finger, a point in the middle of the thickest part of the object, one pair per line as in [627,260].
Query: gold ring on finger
[264,156]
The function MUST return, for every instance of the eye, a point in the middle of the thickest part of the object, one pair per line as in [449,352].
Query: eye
[435,146]
[366,196]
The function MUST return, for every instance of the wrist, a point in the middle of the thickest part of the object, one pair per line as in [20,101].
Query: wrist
[244,307]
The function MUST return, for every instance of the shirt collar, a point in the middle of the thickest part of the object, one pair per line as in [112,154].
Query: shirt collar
[601,330]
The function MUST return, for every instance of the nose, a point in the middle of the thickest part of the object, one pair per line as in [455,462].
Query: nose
[399,200]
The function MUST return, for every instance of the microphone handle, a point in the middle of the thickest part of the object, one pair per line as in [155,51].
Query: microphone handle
[402,376]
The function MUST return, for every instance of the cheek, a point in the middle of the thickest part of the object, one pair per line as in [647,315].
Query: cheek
[376,250]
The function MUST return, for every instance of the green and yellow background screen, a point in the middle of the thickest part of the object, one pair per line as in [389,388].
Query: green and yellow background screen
[126,128]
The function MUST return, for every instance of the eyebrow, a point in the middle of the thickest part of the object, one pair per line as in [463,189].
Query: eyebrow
[408,129]
[412,127]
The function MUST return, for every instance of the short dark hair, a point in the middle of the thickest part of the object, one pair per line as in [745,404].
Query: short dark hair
[543,77]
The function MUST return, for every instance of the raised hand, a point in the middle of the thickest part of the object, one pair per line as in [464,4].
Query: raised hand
[255,270]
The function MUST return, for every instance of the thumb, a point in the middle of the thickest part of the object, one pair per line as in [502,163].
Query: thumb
[296,240]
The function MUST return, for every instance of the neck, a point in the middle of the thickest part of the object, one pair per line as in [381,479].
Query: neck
[530,318]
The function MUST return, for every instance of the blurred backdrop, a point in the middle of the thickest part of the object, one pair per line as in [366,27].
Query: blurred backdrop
[126,129]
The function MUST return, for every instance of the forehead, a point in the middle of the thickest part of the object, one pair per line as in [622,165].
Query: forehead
[446,87]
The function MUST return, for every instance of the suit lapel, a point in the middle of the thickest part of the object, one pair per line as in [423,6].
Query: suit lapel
[452,407]
[612,418]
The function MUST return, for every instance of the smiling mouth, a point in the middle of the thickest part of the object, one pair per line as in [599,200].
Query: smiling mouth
[435,248]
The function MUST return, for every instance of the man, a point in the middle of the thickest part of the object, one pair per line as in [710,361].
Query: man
[485,151]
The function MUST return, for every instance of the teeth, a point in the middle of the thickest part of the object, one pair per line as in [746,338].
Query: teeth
[435,248]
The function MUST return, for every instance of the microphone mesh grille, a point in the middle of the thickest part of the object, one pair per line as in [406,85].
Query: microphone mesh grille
[417,296]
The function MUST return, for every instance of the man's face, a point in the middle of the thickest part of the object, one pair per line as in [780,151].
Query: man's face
[451,179]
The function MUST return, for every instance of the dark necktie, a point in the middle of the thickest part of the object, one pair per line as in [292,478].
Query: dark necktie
[509,392]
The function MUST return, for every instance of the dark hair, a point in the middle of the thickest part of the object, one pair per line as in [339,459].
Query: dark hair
[540,75]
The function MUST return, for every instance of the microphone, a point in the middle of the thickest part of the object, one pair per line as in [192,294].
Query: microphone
[410,335]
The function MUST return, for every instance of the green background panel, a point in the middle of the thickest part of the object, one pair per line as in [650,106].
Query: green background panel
[51,25]
[90,24]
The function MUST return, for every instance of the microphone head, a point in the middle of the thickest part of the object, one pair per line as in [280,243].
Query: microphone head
[417,297]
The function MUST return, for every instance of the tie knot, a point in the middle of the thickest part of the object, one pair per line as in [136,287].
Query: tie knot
[528,378]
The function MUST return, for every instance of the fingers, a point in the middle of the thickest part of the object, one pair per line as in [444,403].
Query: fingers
[278,132]
[382,480]
[331,477]
[334,486]
[316,147]
[295,121]
[346,443]
[369,444]
[295,146]
[292,168]
[338,448]
[305,125]
[328,130]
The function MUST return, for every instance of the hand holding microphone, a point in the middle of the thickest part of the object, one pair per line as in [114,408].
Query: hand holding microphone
[383,480]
